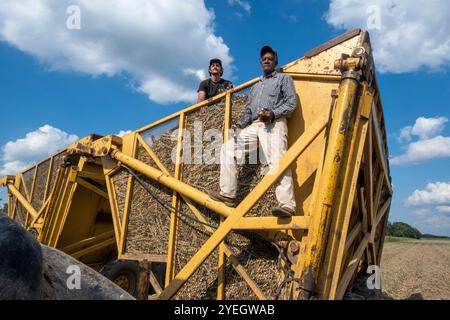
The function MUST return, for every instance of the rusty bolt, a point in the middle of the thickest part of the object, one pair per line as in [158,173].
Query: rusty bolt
[338,64]
[293,246]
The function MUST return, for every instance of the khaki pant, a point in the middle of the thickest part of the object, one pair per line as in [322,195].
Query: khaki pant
[272,139]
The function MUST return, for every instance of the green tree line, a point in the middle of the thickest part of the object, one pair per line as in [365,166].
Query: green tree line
[3,208]
[401,229]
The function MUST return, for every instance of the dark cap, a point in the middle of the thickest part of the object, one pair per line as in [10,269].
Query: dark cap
[215,60]
[266,49]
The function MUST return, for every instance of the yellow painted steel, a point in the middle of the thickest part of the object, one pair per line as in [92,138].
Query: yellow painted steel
[92,187]
[47,181]
[321,216]
[61,217]
[40,213]
[126,214]
[66,197]
[10,205]
[175,204]
[379,150]
[16,183]
[114,209]
[51,213]
[88,241]
[94,248]
[344,204]
[22,200]
[33,184]
[24,185]
[272,223]
[221,270]
[351,267]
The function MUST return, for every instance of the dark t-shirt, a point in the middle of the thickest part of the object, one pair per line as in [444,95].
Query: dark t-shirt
[211,89]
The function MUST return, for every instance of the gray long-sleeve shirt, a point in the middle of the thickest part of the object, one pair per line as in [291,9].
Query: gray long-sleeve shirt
[275,92]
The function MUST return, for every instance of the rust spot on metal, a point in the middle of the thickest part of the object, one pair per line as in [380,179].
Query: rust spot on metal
[308,280]
[345,120]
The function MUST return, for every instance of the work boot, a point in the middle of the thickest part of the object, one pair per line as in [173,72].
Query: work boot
[215,195]
[282,212]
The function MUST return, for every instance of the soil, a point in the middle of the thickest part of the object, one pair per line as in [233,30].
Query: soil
[416,269]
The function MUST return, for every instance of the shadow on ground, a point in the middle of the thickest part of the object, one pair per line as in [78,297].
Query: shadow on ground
[360,291]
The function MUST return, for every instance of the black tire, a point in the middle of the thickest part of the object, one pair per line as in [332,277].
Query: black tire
[125,273]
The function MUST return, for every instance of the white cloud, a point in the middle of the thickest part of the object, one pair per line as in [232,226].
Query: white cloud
[434,194]
[429,146]
[199,73]
[13,167]
[424,128]
[445,209]
[244,4]
[428,127]
[154,42]
[423,150]
[405,134]
[428,217]
[406,35]
[21,153]
[122,133]
[428,221]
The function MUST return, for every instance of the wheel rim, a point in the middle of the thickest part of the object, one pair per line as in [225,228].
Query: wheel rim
[123,282]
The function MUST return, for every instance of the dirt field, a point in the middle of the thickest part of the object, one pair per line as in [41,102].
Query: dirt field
[416,269]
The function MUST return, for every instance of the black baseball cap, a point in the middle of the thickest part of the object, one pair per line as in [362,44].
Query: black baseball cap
[215,60]
[266,49]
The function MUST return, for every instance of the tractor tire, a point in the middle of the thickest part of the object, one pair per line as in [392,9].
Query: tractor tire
[124,273]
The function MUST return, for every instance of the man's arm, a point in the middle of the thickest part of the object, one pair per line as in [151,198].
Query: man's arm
[201,96]
[202,91]
[246,118]
[287,105]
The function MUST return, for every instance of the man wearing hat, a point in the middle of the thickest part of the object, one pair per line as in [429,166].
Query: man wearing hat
[215,84]
[271,100]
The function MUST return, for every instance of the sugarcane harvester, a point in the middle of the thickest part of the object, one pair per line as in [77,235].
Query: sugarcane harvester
[108,200]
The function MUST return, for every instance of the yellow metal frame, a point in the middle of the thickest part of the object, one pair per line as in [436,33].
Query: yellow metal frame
[49,220]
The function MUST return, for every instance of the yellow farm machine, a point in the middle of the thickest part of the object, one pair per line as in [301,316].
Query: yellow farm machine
[134,209]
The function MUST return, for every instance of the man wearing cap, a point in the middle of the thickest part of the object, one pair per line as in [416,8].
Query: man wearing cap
[271,100]
[215,84]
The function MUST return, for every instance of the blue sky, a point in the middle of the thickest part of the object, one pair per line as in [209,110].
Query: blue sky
[47,82]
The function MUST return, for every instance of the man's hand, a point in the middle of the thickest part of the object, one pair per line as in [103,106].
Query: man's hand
[266,116]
